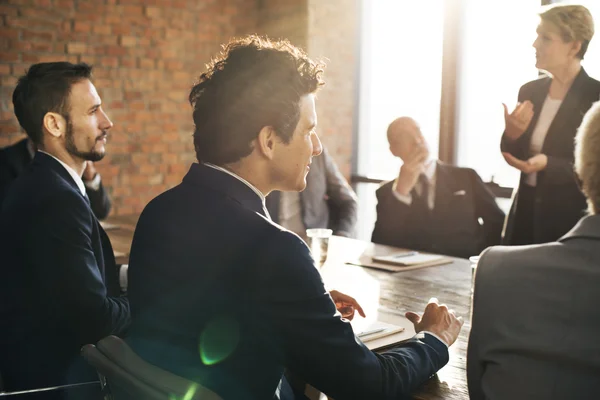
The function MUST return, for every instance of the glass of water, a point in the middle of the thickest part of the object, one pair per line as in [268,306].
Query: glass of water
[318,242]
[473,260]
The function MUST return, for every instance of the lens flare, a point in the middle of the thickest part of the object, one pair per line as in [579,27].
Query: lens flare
[219,340]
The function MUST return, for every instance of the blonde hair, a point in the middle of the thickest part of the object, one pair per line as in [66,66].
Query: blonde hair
[574,22]
[587,162]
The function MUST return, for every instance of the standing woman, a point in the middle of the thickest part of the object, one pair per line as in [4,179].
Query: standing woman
[539,136]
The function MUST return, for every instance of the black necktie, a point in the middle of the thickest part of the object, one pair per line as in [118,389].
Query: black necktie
[423,196]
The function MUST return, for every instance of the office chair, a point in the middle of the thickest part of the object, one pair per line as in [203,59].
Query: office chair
[126,376]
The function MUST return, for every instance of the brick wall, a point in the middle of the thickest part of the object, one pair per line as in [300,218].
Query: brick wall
[333,36]
[147,54]
[284,19]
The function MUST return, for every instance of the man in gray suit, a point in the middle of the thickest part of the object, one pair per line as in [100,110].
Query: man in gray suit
[535,323]
[327,202]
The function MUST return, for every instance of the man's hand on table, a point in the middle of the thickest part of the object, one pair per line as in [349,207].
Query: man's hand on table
[438,320]
[346,305]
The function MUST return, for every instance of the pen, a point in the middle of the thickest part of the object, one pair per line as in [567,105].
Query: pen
[407,254]
[367,333]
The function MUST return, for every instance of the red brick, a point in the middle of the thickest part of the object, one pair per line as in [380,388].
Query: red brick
[4,70]
[148,169]
[146,63]
[8,56]
[153,12]
[128,96]
[37,36]
[9,81]
[42,3]
[129,62]
[21,46]
[66,26]
[128,41]
[40,14]
[136,106]
[109,62]
[102,29]
[82,27]
[174,65]
[10,33]
[115,51]
[64,4]
[52,58]
[8,11]
[131,10]
[76,48]
[42,47]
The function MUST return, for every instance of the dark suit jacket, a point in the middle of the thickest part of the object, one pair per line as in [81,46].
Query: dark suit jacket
[452,227]
[535,325]
[15,159]
[559,203]
[58,279]
[222,295]
[327,202]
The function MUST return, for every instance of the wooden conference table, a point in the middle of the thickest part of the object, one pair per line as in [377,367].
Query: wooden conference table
[383,295]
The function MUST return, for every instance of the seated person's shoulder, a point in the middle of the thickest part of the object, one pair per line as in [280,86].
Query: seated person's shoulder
[383,186]
[508,260]
[463,173]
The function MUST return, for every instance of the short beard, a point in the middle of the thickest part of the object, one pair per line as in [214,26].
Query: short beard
[74,151]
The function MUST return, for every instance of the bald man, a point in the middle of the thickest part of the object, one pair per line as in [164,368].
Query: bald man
[432,206]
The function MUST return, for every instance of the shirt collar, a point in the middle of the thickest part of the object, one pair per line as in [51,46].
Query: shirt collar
[71,172]
[429,170]
[239,178]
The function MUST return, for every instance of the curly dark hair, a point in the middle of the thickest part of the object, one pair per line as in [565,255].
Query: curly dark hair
[254,82]
[45,88]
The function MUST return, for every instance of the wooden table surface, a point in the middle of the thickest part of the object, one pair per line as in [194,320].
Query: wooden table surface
[382,294]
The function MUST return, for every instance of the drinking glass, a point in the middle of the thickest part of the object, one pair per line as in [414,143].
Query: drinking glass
[318,242]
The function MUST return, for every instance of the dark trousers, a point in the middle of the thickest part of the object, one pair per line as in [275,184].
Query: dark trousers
[523,229]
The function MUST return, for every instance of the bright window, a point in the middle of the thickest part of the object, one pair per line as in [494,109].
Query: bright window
[496,58]
[400,74]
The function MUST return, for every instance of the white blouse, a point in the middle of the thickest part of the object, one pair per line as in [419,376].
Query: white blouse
[547,114]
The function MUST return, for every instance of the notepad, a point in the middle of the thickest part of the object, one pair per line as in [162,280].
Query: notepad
[408,258]
[379,335]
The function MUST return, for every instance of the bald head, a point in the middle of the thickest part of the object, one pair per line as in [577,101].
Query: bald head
[405,138]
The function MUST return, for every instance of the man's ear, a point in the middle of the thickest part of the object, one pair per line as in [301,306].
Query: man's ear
[55,124]
[266,141]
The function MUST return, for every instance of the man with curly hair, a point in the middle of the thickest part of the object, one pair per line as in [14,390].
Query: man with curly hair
[225,297]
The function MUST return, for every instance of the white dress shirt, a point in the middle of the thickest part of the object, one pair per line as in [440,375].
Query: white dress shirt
[245,182]
[430,174]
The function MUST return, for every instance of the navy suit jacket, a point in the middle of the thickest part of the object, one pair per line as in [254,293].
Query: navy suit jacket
[223,296]
[59,287]
[452,227]
[15,159]
[559,203]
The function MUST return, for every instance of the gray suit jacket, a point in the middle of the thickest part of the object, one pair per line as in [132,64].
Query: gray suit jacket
[535,322]
[327,202]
